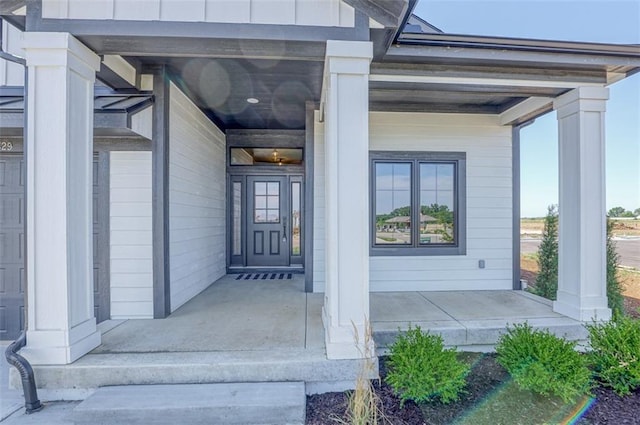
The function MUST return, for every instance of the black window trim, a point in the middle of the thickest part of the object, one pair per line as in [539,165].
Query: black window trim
[460,202]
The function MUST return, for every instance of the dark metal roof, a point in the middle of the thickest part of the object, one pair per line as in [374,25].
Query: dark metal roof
[112,111]
[520,44]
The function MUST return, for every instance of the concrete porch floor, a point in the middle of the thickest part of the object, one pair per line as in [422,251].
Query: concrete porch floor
[257,330]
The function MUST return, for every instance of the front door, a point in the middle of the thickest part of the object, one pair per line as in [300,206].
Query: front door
[267,221]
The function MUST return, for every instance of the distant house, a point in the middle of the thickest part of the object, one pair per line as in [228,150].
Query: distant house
[170,143]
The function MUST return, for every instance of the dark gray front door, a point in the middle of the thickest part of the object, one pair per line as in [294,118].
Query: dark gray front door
[12,277]
[267,221]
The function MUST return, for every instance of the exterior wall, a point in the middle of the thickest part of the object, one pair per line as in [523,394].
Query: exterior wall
[131,239]
[11,74]
[489,201]
[283,12]
[197,176]
[318,206]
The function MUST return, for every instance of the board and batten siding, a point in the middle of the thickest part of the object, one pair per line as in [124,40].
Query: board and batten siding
[329,13]
[197,199]
[131,241]
[487,145]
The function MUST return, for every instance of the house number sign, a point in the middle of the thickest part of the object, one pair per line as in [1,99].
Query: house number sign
[6,146]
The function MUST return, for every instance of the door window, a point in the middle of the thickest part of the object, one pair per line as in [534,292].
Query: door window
[266,202]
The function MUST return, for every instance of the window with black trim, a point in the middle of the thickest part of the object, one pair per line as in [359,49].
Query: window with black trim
[418,203]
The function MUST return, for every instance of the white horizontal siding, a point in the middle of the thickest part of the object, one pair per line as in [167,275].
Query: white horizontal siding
[131,239]
[318,207]
[328,13]
[489,202]
[197,176]
[487,145]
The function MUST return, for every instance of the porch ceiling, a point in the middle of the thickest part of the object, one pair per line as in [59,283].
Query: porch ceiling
[222,87]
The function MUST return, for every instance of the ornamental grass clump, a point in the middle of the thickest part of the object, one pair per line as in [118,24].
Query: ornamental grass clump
[543,363]
[615,355]
[420,369]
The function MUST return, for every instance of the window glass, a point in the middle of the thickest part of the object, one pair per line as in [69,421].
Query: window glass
[237,219]
[393,203]
[418,203]
[437,208]
[295,218]
[266,200]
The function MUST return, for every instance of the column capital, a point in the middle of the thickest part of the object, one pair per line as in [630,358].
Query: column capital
[39,45]
[348,57]
[349,49]
[582,99]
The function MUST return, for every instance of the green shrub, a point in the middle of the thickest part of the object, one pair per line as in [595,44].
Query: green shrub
[547,280]
[614,287]
[541,362]
[420,369]
[615,355]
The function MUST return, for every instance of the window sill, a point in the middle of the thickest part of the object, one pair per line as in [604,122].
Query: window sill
[416,252]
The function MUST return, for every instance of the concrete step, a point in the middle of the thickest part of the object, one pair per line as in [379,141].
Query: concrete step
[478,335]
[78,380]
[272,403]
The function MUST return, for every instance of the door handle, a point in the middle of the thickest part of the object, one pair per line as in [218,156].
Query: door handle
[284,231]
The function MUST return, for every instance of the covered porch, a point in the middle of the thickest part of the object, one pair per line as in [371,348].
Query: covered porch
[254,330]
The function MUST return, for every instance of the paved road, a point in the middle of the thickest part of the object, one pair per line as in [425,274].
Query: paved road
[628,249]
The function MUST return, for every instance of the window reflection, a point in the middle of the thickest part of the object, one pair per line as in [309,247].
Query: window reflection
[437,203]
[393,203]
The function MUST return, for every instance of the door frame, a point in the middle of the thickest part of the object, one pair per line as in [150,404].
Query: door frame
[237,263]
[278,139]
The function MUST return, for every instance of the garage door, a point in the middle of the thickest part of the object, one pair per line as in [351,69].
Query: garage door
[12,276]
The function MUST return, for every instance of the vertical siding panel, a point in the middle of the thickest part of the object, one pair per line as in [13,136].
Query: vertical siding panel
[148,10]
[346,15]
[130,240]
[228,11]
[55,8]
[197,200]
[90,9]
[182,10]
[273,12]
[315,12]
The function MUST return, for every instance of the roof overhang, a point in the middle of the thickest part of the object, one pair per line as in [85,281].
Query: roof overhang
[514,78]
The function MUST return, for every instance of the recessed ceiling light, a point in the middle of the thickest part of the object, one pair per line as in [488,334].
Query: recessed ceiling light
[252,100]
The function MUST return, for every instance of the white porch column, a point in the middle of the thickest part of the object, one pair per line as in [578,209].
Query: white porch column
[59,141]
[582,287]
[346,109]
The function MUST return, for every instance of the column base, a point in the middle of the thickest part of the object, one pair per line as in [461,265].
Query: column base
[341,343]
[579,309]
[56,347]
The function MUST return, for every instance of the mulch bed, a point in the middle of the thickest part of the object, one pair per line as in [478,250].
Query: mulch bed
[485,377]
